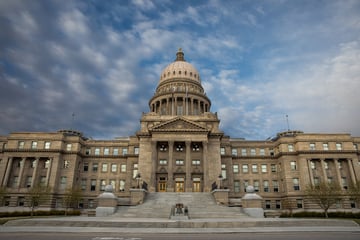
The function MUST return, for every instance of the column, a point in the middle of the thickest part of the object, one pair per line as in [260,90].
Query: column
[153,180]
[160,106]
[170,183]
[351,170]
[48,172]
[191,106]
[323,170]
[337,170]
[8,171]
[310,172]
[21,173]
[188,180]
[207,185]
[35,171]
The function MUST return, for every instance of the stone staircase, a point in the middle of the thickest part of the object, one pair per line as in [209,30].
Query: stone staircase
[158,205]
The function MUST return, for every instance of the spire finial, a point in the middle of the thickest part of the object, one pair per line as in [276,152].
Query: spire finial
[180,55]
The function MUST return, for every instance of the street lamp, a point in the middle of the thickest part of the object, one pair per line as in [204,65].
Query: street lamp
[138,178]
[220,180]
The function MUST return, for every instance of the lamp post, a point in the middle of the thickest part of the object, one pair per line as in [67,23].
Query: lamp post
[220,180]
[138,178]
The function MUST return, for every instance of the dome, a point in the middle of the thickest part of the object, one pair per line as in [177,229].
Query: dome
[180,69]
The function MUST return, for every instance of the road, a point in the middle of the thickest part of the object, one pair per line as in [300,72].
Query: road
[202,236]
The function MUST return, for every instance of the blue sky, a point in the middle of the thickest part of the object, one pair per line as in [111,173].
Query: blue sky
[258,60]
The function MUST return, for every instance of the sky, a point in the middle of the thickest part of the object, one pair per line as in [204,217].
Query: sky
[267,66]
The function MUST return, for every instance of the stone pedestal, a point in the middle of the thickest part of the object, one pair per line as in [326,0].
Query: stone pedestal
[252,203]
[221,196]
[137,196]
[107,202]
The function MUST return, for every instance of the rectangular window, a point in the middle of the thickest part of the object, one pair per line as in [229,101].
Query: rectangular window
[47,145]
[243,152]
[47,164]
[123,168]
[21,201]
[299,203]
[325,146]
[86,166]
[28,181]
[95,167]
[267,204]
[106,151]
[66,164]
[316,181]
[236,186]
[246,184]
[234,151]
[21,144]
[196,162]
[256,185]
[122,185]
[113,167]
[326,165]
[264,168]
[277,204]
[266,185]
[262,152]
[344,183]
[355,147]
[273,168]
[254,168]
[296,184]
[235,168]
[222,151]
[290,147]
[136,150]
[252,151]
[113,183]
[338,146]
[115,151]
[68,147]
[275,184]
[63,182]
[312,146]
[135,170]
[97,151]
[329,179]
[245,168]
[102,184]
[93,185]
[162,162]
[179,162]
[293,165]
[43,181]
[312,165]
[88,151]
[83,184]
[223,171]
[34,145]
[104,167]
[124,151]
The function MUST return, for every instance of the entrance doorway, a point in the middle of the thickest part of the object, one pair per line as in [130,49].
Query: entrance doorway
[162,186]
[179,185]
[196,185]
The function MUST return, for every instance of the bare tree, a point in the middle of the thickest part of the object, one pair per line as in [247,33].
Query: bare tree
[289,204]
[36,196]
[71,198]
[354,192]
[324,194]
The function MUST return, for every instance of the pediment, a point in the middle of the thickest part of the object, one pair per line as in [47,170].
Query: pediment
[179,125]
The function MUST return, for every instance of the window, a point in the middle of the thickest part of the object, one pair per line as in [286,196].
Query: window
[136,150]
[252,152]
[122,185]
[338,146]
[196,162]
[163,162]
[262,152]
[263,168]
[312,146]
[277,204]
[113,167]
[195,147]
[83,184]
[245,168]
[246,184]
[124,151]
[115,151]
[179,162]
[91,203]
[93,185]
[267,204]
[102,184]
[355,147]
[21,201]
[235,168]
[68,147]
[95,167]
[256,185]
[43,181]
[290,147]
[33,163]
[88,151]
[330,179]
[273,168]
[86,166]
[179,148]
[234,152]
[123,168]
[243,152]
[223,171]
[296,184]
[163,148]
[326,165]
[325,146]
[21,144]
[112,183]
[97,151]
[275,184]
[293,165]
[254,168]
[34,145]
[316,181]
[47,145]
[344,183]
[312,165]
[135,170]
[47,164]
[299,203]
[236,186]
[66,163]
[106,151]
[104,167]
[28,181]
[266,185]
[222,151]
[63,181]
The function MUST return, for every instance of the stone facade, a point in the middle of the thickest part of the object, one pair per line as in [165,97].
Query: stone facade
[179,148]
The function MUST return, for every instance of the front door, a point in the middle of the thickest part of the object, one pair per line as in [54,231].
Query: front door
[196,187]
[162,186]
[179,187]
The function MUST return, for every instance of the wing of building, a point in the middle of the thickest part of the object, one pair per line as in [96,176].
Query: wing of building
[179,148]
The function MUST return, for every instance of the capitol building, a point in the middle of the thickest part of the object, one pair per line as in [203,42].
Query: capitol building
[179,147]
